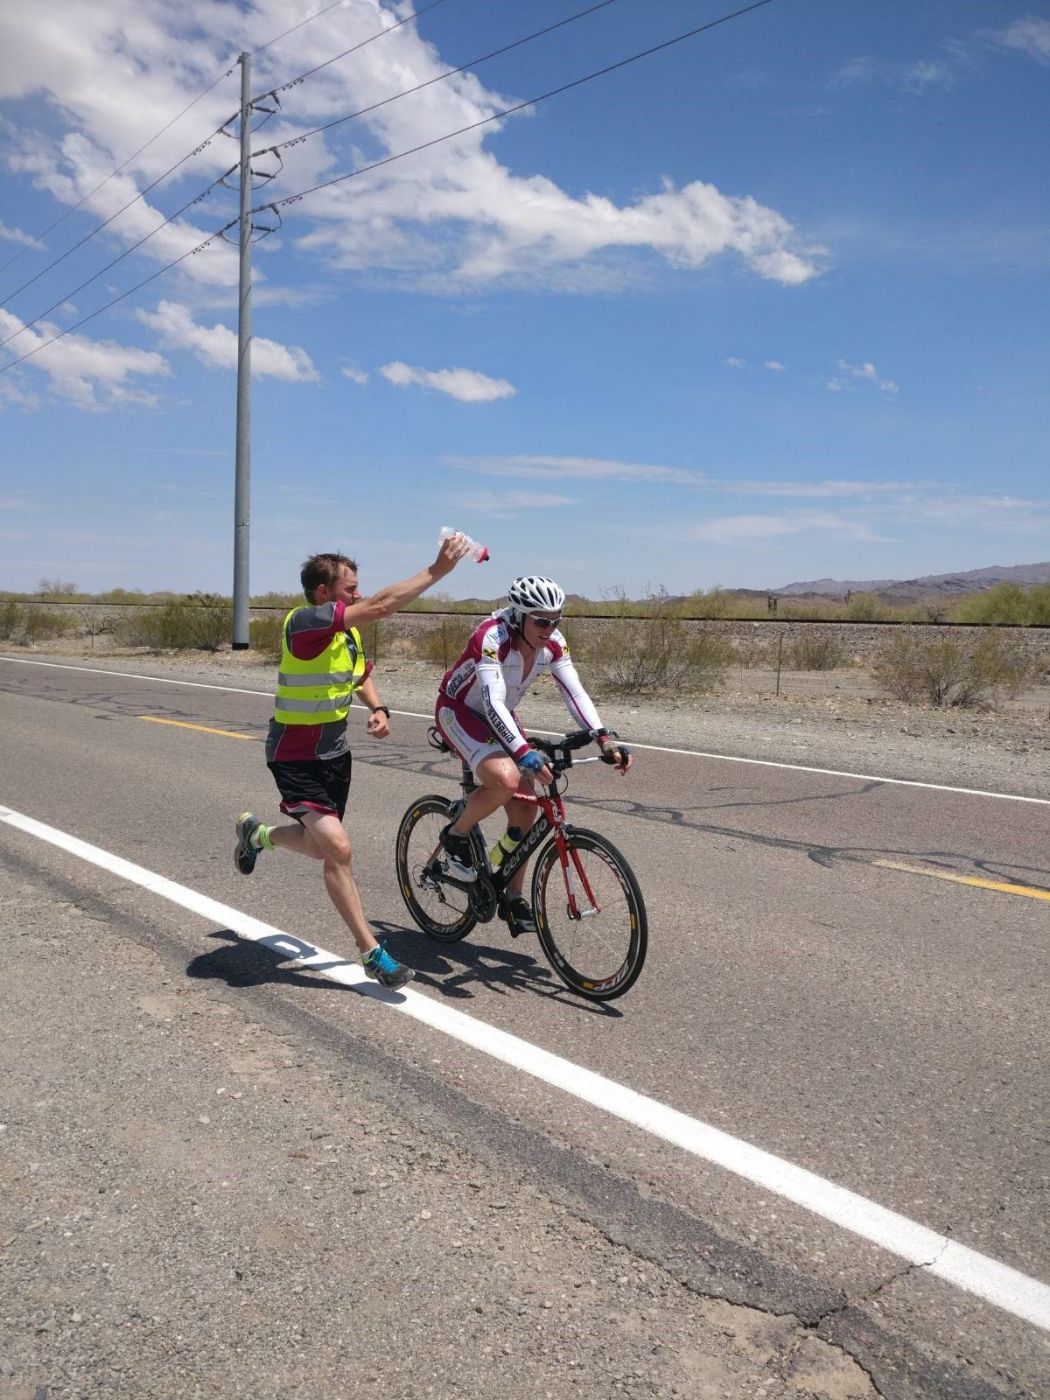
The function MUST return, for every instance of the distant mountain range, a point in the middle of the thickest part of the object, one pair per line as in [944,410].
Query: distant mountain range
[933,585]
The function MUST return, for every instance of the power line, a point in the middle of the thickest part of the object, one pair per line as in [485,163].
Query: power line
[292,199]
[316,15]
[74,207]
[119,258]
[293,82]
[99,227]
[518,106]
[137,287]
[471,63]
[196,151]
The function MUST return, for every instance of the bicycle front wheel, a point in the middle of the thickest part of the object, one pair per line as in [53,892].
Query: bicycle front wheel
[440,909]
[590,915]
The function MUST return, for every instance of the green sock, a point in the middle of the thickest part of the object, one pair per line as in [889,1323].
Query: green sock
[261,838]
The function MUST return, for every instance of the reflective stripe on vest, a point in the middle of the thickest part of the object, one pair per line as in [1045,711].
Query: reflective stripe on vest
[318,691]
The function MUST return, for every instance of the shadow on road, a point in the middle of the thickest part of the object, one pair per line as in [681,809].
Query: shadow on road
[458,971]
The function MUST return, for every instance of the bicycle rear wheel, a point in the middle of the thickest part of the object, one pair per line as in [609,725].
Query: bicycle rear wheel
[440,909]
[590,915]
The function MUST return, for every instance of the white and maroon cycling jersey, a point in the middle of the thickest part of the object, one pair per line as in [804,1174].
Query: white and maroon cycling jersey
[489,680]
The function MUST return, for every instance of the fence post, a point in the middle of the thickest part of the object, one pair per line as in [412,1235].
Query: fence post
[780,654]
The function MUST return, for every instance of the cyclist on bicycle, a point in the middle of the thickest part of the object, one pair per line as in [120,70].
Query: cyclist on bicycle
[475,716]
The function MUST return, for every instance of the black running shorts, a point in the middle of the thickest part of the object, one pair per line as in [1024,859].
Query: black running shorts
[312,785]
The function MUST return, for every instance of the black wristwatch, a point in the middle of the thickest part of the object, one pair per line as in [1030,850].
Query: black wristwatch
[384,708]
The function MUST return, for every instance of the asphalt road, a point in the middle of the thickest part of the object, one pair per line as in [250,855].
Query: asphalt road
[882,1028]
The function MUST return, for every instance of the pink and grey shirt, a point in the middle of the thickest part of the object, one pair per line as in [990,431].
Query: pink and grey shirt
[490,679]
[310,631]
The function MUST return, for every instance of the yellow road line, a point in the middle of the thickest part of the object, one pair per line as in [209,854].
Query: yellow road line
[999,885]
[203,728]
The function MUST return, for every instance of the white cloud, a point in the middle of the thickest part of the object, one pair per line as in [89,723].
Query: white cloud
[734,362]
[449,217]
[359,376]
[813,489]
[739,529]
[603,469]
[502,505]
[990,511]
[867,373]
[1031,36]
[15,235]
[216,346]
[775,366]
[467,385]
[92,374]
[917,76]
[14,392]
[587,468]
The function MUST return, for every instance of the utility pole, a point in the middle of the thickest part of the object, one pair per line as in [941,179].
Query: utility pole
[241,502]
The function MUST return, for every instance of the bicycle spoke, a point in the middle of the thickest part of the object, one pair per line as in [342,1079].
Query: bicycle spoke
[591,916]
[440,909]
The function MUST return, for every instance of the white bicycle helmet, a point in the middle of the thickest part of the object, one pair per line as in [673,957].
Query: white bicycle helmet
[532,594]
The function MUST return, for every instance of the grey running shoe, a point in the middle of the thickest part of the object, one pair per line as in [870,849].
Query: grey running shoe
[385,970]
[520,918]
[459,858]
[245,854]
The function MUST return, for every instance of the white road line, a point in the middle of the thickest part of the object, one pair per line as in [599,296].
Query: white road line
[131,675]
[650,748]
[1016,1293]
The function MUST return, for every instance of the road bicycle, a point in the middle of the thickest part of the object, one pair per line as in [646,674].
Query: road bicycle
[589,910]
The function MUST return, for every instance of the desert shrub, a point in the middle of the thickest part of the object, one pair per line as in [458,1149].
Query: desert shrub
[930,610]
[41,623]
[808,610]
[278,600]
[716,602]
[442,642]
[657,652]
[202,622]
[1006,604]
[751,651]
[96,622]
[951,671]
[1039,605]
[864,607]
[264,636]
[12,616]
[120,597]
[814,651]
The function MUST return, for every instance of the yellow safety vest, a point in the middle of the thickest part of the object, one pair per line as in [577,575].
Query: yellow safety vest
[319,691]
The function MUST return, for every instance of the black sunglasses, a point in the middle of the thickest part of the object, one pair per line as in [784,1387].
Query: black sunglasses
[545,622]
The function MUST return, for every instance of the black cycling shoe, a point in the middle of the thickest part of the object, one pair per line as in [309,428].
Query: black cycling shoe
[459,856]
[520,918]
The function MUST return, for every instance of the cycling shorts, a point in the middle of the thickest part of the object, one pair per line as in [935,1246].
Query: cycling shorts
[467,733]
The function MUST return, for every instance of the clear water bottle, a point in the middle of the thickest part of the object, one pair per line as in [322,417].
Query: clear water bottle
[478,552]
[508,842]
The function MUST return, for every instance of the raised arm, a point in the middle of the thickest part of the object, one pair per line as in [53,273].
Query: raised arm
[393,598]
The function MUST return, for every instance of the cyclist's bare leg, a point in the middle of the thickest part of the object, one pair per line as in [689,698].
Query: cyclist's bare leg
[521,815]
[498,780]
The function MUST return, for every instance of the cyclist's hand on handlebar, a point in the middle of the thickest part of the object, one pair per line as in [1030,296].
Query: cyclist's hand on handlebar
[534,765]
[615,752]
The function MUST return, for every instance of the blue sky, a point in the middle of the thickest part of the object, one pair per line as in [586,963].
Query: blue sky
[769,305]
